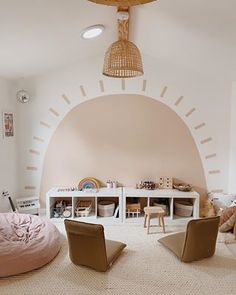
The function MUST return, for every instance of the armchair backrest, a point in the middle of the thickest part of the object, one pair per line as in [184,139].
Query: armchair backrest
[86,244]
[200,239]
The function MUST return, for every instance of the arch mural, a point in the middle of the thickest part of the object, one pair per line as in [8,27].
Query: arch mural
[189,114]
[121,137]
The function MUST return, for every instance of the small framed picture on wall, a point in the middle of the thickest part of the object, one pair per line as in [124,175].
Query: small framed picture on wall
[8,124]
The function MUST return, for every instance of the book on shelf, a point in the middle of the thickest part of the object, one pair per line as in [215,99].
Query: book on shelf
[116,213]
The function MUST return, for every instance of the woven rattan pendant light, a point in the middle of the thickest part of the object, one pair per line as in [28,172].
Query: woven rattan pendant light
[122,59]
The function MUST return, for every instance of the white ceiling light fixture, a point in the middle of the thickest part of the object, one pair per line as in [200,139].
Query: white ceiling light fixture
[23,96]
[92,32]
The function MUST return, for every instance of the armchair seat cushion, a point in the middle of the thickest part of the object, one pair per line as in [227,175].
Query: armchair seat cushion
[113,249]
[174,243]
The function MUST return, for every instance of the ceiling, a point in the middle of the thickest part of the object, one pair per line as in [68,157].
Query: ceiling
[41,35]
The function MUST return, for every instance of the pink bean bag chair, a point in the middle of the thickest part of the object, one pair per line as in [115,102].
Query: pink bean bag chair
[27,242]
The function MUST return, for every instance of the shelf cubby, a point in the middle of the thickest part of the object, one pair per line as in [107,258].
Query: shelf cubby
[67,200]
[84,202]
[111,199]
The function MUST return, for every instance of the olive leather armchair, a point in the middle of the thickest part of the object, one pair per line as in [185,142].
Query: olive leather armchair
[198,242]
[88,247]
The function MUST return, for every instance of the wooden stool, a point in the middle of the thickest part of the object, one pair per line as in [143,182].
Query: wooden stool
[154,211]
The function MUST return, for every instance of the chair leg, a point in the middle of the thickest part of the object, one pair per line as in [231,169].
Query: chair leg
[163,224]
[159,219]
[148,226]
[145,220]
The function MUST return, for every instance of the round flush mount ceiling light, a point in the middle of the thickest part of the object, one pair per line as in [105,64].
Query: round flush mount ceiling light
[23,96]
[92,32]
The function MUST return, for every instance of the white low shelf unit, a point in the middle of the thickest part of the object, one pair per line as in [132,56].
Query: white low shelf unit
[169,194]
[121,195]
[56,194]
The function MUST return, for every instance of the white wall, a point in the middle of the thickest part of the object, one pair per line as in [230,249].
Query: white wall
[232,160]
[209,96]
[8,146]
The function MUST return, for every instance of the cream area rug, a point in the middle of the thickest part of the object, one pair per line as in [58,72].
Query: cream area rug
[145,267]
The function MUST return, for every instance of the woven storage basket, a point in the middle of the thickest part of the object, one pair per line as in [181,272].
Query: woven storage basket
[183,208]
[106,208]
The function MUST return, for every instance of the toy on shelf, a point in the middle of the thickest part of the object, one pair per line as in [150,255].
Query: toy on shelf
[67,212]
[133,209]
[83,208]
[89,183]
[150,185]
[68,189]
[183,187]
[62,209]
[165,182]
[139,185]
[111,184]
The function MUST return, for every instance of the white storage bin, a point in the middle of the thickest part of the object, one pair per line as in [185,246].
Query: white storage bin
[183,208]
[106,208]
